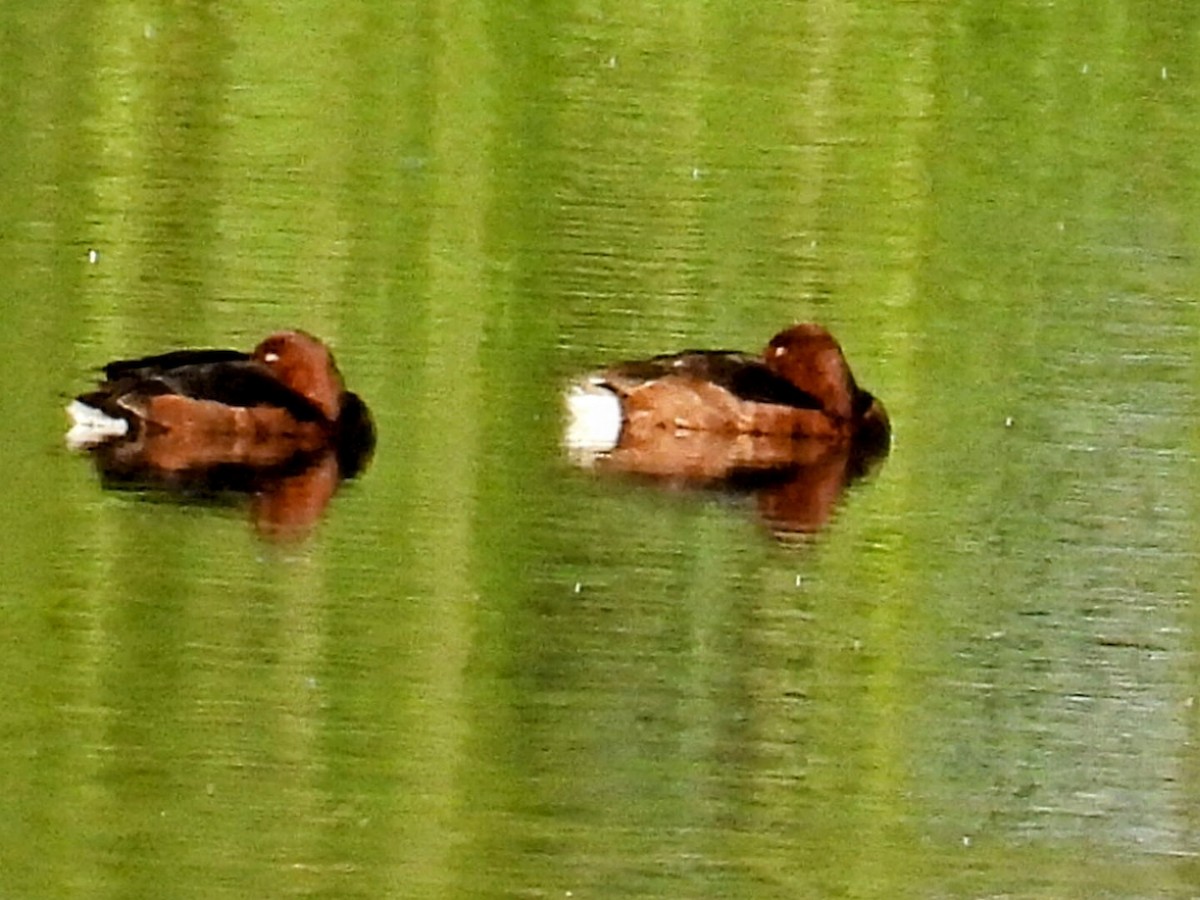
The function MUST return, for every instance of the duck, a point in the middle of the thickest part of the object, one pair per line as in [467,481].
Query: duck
[799,389]
[199,408]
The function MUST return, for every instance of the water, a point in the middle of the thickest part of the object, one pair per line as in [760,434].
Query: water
[486,672]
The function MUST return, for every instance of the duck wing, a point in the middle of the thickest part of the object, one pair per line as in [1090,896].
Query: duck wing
[223,376]
[149,366]
[746,377]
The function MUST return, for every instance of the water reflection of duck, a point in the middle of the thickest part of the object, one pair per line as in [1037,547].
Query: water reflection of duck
[277,422]
[792,425]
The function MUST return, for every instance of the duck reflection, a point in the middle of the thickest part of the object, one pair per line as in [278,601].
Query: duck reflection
[795,484]
[286,489]
[791,426]
[274,429]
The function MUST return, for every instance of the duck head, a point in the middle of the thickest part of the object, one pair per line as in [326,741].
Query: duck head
[305,365]
[808,356]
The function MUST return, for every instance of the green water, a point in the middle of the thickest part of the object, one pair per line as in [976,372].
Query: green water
[488,674]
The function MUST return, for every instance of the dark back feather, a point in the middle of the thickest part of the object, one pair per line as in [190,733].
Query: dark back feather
[149,366]
[223,376]
[743,375]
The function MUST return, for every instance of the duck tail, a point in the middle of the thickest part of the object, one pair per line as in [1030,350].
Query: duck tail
[92,424]
[594,416]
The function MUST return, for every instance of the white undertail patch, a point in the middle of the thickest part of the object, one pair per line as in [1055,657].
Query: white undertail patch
[92,426]
[594,418]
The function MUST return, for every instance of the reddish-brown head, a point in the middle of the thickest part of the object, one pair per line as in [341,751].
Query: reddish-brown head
[809,357]
[305,365]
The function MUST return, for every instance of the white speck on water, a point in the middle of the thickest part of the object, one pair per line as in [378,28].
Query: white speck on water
[578,586]
[1164,73]
[1084,70]
[1008,421]
[93,256]
[611,62]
